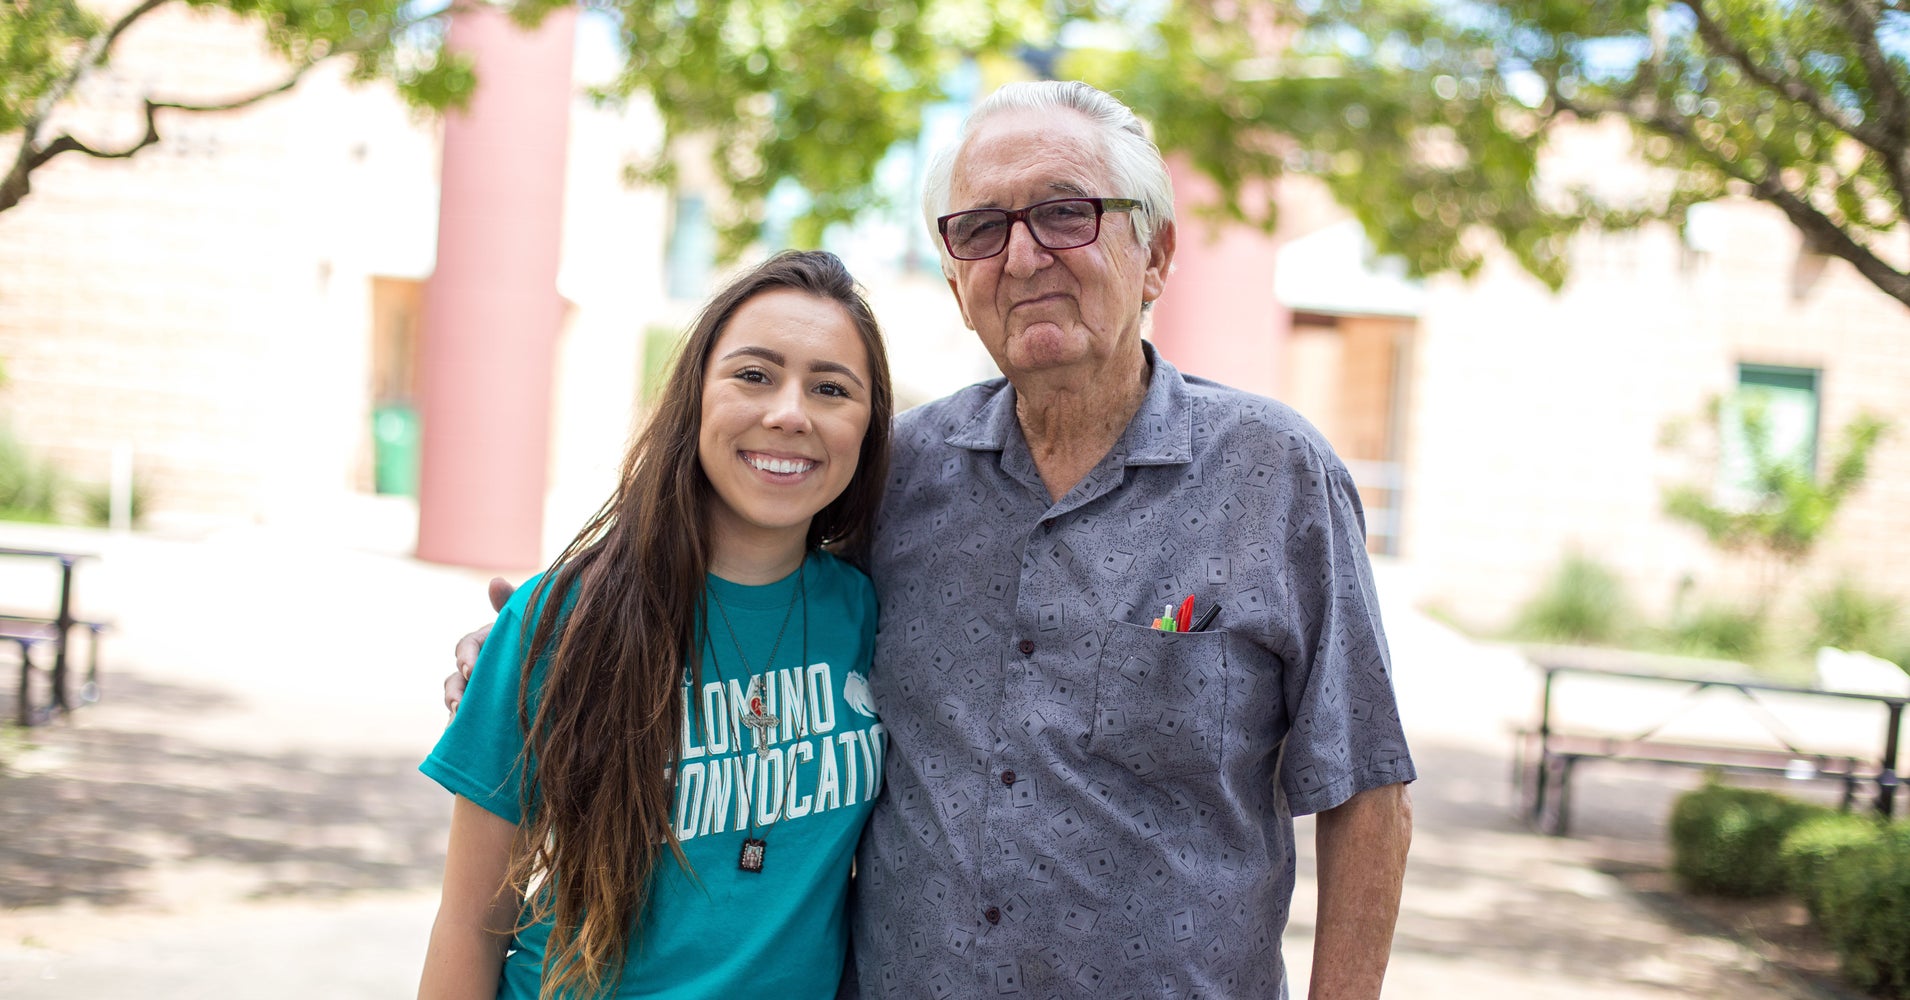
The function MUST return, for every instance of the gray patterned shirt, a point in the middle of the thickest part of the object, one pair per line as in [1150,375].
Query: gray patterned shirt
[1079,805]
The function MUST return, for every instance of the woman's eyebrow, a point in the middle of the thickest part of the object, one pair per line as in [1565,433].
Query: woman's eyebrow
[841,369]
[773,357]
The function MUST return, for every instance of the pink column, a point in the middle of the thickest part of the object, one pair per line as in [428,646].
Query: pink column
[491,309]
[1218,317]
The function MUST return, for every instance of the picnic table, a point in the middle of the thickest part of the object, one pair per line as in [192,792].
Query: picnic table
[1548,753]
[30,632]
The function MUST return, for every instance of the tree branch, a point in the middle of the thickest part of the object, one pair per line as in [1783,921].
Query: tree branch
[1826,236]
[66,143]
[17,182]
[1822,233]
[250,99]
[16,185]
[126,21]
[1860,19]
[1881,136]
[96,51]
[1792,88]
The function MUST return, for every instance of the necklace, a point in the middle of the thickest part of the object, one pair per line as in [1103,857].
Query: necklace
[758,720]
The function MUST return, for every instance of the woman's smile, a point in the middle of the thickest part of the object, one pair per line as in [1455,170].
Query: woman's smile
[792,468]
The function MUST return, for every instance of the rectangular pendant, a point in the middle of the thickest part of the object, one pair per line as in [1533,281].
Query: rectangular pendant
[752,856]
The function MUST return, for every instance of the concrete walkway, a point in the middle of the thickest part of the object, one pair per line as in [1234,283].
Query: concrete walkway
[241,817]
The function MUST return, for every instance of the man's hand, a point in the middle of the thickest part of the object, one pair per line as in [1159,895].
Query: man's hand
[501,591]
[1361,849]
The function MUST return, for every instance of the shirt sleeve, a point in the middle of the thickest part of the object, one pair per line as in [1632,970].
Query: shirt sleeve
[1345,734]
[480,754]
[865,652]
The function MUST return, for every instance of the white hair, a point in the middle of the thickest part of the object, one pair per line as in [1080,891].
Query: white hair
[1134,163]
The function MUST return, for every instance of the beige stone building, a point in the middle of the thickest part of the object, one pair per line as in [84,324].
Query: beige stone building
[1521,424]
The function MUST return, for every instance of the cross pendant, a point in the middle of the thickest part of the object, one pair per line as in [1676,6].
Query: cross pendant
[761,723]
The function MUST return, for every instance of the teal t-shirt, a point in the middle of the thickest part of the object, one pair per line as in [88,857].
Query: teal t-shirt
[780,932]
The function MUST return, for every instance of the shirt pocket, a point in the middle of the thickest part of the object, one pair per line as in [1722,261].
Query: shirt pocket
[1160,701]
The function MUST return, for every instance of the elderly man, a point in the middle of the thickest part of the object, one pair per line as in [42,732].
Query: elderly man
[1078,802]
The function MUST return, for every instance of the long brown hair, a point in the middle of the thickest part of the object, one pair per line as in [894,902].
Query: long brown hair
[602,731]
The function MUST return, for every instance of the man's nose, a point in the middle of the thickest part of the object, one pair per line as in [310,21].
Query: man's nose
[1025,255]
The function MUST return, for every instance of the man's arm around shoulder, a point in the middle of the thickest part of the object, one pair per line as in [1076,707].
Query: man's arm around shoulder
[1361,847]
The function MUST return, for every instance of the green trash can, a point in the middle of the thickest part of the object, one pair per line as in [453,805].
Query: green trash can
[394,434]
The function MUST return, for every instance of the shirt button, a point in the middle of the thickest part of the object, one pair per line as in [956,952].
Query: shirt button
[1027,646]
[993,914]
[1047,524]
[1007,777]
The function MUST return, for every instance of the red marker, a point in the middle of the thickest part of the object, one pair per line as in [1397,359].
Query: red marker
[1186,615]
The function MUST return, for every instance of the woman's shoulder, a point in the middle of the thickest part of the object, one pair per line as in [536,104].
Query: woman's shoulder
[835,571]
[532,595]
[847,592]
[519,616]
[520,600]
[843,581]
[526,600]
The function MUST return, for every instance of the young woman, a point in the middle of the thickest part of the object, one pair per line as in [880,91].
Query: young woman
[666,751]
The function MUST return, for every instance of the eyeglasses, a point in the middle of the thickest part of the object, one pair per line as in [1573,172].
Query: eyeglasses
[1061,224]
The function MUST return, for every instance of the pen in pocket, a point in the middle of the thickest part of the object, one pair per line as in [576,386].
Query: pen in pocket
[1172,620]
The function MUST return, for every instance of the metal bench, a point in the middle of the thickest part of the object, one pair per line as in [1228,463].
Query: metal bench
[38,702]
[1545,756]
[1543,768]
[31,632]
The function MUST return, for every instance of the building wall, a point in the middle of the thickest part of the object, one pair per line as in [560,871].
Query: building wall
[210,301]
[1535,420]
[186,301]
[1531,423]
[1218,317]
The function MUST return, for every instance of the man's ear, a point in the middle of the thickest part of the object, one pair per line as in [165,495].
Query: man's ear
[956,291]
[1160,260]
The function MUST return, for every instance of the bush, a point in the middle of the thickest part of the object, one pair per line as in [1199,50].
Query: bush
[1582,602]
[1809,849]
[1725,840]
[34,489]
[1866,905]
[1848,617]
[1722,631]
[96,503]
[30,487]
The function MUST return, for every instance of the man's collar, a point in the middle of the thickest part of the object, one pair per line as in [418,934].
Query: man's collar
[992,426]
[1160,433]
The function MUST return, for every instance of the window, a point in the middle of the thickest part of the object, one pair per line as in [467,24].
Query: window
[691,253]
[1770,420]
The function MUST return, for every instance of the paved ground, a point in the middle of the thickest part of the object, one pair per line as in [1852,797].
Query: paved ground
[241,817]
